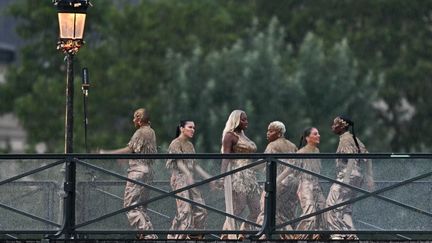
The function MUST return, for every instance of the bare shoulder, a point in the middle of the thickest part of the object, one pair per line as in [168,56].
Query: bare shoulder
[230,137]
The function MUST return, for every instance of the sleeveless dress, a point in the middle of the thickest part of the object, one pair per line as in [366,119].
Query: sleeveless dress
[245,188]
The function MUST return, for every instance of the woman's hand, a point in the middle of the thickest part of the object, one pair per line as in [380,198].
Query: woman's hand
[213,185]
[370,184]
[189,180]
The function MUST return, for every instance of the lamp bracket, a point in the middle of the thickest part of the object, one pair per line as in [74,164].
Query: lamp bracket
[69,46]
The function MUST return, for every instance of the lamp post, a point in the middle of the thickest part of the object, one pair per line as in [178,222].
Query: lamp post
[71,18]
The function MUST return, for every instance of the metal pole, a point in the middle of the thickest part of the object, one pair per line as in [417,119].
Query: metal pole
[69,105]
[85,122]
[270,198]
[69,185]
[269,222]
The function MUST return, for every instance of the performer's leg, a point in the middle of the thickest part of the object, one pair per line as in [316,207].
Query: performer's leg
[135,194]
[183,217]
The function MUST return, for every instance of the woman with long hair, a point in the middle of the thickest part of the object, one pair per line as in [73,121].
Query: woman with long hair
[241,188]
[188,216]
[309,191]
[348,171]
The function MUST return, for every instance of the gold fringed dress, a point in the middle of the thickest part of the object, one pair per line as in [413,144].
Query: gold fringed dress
[341,218]
[310,195]
[286,191]
[143,142]
[188,216]
[245,189]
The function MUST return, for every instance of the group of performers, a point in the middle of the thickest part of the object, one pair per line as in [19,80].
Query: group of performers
[241,189]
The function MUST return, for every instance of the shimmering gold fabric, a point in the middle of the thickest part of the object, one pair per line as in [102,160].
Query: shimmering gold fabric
[143,141]
[286,197]
[310,195]
[341,217]
[246,191]
[244,181]
[188,217]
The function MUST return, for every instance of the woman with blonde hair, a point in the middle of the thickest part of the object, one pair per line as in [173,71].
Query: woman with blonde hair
[241,188]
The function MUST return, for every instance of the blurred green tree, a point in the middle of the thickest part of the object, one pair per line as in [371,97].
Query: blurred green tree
[125,51]
[260,75]
[390,38]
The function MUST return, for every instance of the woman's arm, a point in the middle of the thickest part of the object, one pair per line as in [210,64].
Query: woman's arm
[282,176]
[369,175]
[228,142]
[184,169]
[201,171]
[125,150]
[205,175]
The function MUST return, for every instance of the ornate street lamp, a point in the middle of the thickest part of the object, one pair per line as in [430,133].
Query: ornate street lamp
[71,18]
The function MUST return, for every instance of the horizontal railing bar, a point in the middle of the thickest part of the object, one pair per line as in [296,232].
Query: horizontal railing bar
[219,156]
[219,232]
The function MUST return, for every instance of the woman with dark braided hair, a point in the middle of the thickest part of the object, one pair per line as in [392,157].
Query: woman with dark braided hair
[309,190]
[348,171]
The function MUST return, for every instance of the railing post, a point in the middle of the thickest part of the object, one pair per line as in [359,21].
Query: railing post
[69,205]
[269,223]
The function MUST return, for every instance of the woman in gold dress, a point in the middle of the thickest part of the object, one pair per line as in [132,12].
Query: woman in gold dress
[348,171]
[143,141]
[188,216]
[287,182]
[241,188]
[309,191]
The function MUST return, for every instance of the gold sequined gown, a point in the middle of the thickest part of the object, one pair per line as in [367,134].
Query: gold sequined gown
[245,188]
[341,218]
[310,195]
[286,191]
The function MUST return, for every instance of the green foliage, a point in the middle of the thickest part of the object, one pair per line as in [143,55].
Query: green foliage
[251,75]
[369,59]
[125,51]
[388,37]
[207,87]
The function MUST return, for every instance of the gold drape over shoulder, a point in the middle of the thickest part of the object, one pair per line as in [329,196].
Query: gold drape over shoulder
[243,190]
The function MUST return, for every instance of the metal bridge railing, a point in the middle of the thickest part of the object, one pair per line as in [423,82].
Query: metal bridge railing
[80,196]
